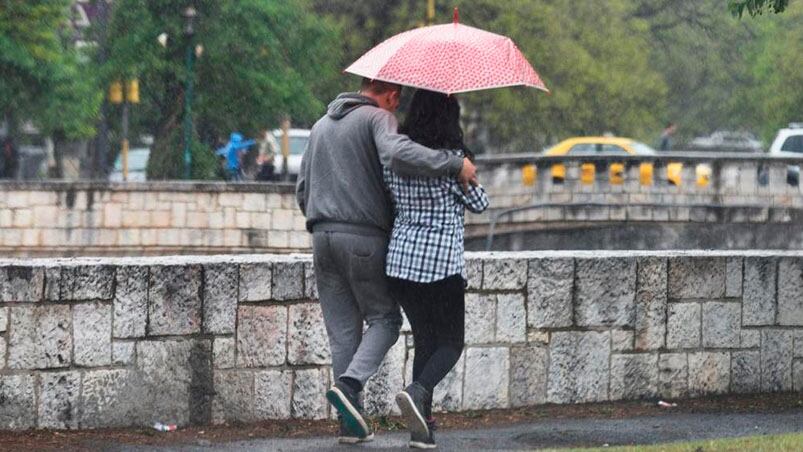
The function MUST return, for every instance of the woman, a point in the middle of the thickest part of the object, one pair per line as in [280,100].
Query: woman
[425,257]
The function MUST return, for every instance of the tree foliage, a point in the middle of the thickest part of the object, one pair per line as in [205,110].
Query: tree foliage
[261,59]
[41,76]
[756,7]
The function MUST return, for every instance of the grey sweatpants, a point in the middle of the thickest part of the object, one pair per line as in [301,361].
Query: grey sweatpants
[350,271]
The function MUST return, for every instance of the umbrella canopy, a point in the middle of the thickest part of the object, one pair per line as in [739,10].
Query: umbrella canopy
[451,58]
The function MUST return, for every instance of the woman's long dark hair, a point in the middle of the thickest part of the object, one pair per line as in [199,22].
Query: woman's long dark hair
[434,121]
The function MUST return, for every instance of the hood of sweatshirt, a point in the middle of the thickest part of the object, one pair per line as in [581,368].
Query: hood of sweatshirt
[346,103]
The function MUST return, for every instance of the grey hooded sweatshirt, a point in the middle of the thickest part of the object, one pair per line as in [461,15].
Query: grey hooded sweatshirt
[340,184]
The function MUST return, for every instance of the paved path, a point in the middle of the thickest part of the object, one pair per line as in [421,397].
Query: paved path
[538,435]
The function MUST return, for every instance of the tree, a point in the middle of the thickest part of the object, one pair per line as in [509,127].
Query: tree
[262,59]
[756,7]
[42,79]
[597,64]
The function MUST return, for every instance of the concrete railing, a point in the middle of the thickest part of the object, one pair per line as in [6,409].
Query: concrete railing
[665,187]
[90,343]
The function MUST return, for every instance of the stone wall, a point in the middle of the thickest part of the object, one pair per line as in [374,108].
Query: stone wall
[87,343]
[52,219]
[164,218]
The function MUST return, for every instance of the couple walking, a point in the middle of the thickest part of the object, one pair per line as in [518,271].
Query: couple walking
[386,212]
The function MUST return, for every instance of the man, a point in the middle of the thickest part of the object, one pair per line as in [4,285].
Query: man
[341,192]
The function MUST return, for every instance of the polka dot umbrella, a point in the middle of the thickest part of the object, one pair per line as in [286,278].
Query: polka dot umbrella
[451,58]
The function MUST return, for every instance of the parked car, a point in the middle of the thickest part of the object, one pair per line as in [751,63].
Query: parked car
[137,163]
[298,144]
[727,140]
[789,142]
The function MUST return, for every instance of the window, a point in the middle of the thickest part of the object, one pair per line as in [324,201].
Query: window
[793,144]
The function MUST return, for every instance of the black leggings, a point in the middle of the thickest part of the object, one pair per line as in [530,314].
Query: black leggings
[436,312]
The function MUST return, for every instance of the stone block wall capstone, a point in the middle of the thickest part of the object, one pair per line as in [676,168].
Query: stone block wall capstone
[89,343]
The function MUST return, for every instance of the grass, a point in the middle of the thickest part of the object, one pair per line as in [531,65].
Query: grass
[766,443]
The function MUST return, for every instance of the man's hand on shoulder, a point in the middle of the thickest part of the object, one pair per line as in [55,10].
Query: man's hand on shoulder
[468,174]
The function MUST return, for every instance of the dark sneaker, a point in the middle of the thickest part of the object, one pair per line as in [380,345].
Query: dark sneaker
[411,402]
[345,402]
[427,442]
[346,437]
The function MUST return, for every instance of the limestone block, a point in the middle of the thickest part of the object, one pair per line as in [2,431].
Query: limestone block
[220,298]
[606,290]
[474,273]
[697,277]
[131,302]
[307,340]
[758,307]
[504,274]
[650,327]
[123,353]
[234,399]
[733,277]
[59,400]
[261,336]
[52,283]
[174,300]
[745,371]
[309,394]
[223,350]
[40,337]
[448,394]
[92,341]
[549,292]
[282,220]
[683,326]
[112,215]
[486,382]
[90,282]
[634,376]
[790,291]
[381,389]
[310,282]
[721,325]
[673,374]
[21,284]
[254,202]
[511,321]
[242,220]
[3,320]
[622,340]
[23,218]
[255,282]
[709,373]
[17,402]
[750,338]
[116,398]
[578,366]
[181,368]
[272,394]
[528,375]
[480,318]
[288,281]
[777,350]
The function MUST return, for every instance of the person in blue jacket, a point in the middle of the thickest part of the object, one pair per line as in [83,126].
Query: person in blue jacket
[233,151]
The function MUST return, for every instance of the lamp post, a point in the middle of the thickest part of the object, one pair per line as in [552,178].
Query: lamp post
[189,14]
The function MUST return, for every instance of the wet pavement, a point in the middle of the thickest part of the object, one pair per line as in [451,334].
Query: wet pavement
[536,435]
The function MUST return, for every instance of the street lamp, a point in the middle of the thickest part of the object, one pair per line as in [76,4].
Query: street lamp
[189,14]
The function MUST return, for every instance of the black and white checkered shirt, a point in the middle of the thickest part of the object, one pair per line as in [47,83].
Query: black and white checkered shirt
[426,244]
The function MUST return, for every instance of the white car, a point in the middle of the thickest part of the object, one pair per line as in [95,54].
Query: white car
[137,163]
[789,142]
[298,144]
[728,141]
